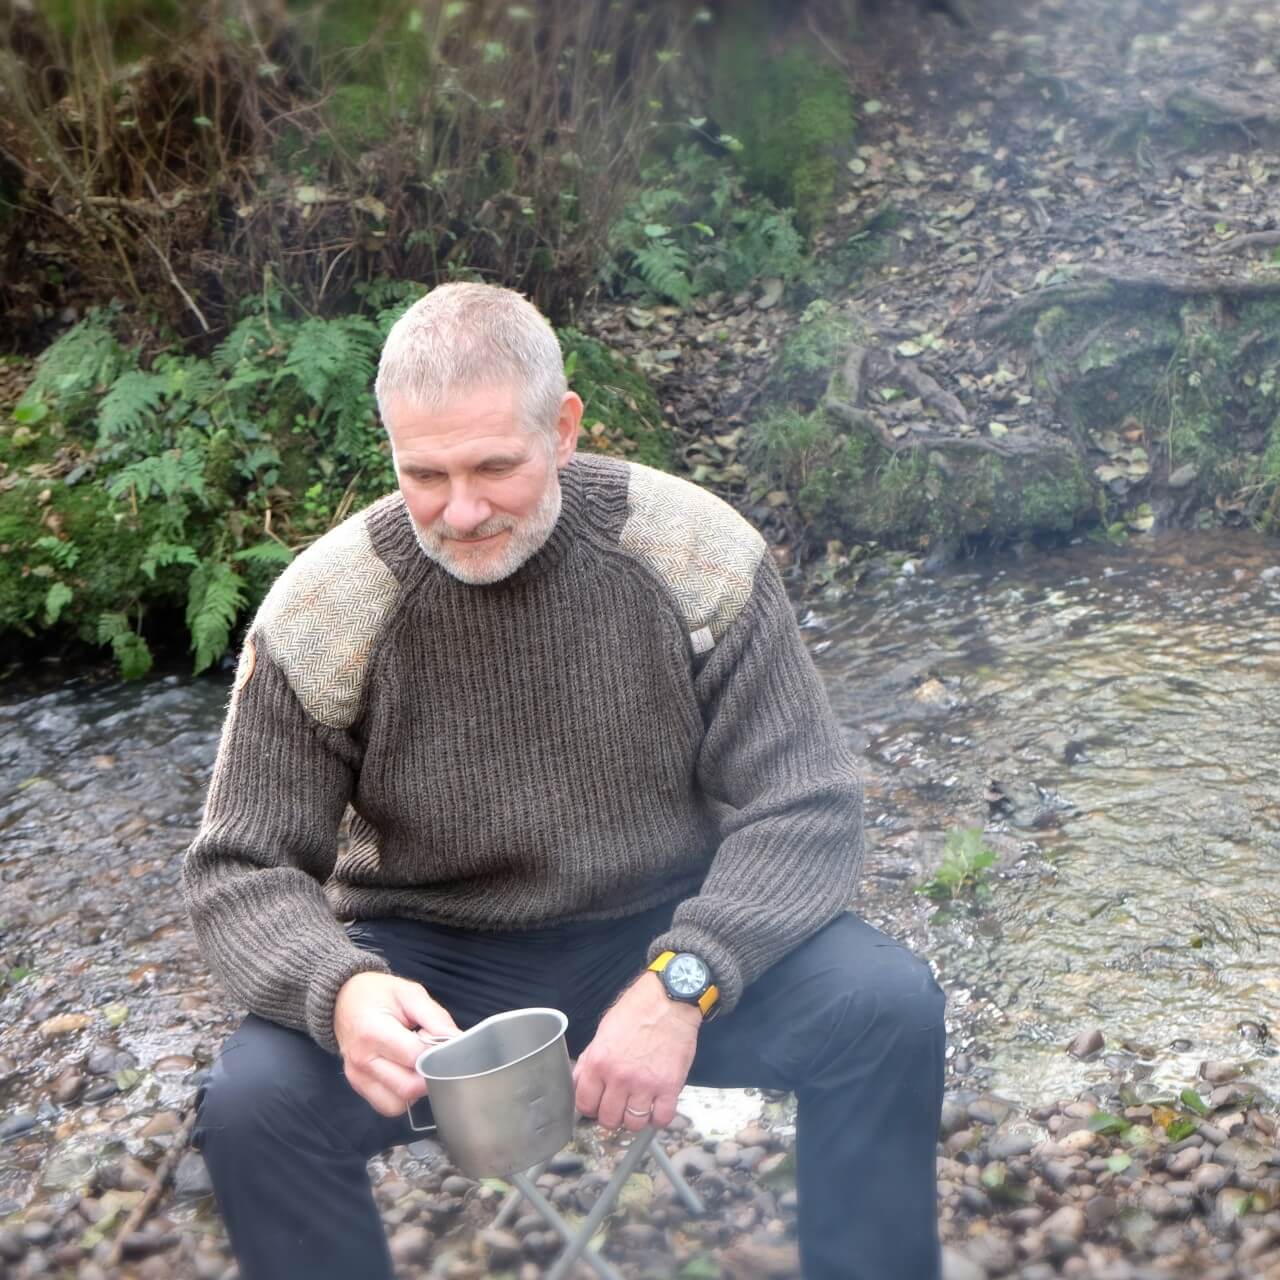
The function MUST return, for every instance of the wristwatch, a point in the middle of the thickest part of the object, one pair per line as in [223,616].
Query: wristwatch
[686,978]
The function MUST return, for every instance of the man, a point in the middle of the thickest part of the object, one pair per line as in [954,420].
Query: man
[589,766]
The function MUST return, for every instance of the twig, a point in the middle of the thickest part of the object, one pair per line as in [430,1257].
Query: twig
[177,284]
[142,1210]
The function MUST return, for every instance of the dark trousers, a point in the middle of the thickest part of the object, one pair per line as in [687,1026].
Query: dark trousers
[851,1021]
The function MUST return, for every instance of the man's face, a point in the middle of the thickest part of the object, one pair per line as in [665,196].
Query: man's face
[483,492]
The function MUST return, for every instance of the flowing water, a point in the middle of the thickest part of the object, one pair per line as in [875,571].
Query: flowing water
[1113,713]
[1110,715]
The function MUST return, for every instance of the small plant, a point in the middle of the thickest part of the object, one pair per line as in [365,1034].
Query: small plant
[965,860]
[692,229]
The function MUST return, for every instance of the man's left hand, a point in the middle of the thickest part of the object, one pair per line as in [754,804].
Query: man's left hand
[632,1072]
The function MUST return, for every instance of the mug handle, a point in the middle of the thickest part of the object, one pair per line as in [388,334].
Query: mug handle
[431,1042]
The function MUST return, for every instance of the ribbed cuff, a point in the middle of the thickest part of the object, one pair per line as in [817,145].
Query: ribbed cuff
[725,970]
[322,991]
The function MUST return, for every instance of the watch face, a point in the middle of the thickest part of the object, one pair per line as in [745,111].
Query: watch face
[687,975]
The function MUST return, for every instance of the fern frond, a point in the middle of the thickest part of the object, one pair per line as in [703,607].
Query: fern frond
[56,599]
[111,625]
[63,554]
[168,474]
[215,596]
[331,358]
[265,553]
[664,267]
[70,372]
[160,553]
[130,405]
[244,345]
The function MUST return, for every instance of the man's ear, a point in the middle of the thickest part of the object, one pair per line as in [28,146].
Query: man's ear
[567,425]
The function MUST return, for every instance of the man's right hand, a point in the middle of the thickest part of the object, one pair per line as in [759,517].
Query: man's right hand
[375,1018]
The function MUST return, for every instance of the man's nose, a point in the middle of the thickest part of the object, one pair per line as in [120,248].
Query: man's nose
[466,509]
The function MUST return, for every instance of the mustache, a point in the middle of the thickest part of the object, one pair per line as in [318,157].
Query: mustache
[495,524]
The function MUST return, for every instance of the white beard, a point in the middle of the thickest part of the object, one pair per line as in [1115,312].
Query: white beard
[526,537]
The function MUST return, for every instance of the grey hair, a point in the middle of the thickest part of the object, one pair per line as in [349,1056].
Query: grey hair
[464,336]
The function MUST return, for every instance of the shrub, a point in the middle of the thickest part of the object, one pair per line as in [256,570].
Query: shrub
[692,228]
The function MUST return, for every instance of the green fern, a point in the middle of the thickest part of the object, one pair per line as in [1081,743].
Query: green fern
[56,599]
[131,404]
[664,266]
[63,554]
[169,474]
[215,596]
[160,553]
[131,650]
[267,553]
[70,373]
[333,360]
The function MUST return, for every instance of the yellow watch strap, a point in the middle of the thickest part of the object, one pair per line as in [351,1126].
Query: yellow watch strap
[706,1001]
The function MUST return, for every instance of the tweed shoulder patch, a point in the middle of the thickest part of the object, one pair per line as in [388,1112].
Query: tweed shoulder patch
[320,618]
[700,548]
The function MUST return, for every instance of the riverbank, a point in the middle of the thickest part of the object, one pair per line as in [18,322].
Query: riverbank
[1043,673]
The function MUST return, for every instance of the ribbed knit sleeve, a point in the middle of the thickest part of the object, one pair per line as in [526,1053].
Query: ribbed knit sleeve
[784,790]
[253,876]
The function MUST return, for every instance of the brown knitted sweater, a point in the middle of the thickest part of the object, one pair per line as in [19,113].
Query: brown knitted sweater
[629,718]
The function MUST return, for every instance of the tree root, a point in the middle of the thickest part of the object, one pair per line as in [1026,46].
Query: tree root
[1093,285]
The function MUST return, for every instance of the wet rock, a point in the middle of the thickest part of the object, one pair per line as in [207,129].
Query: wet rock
[12,1245]
[37,1232]
[726,1154]
[456,1185]
[1006,1146]
[191,1177]
[1219,1072]
[990,1111]
[566,1163]
[161,1123]
[410,1245]
[1184,1161]
[141,1244]
[106,1060]
[1210,1178]
[1229,1204]
[640,1236]
[691,1161]
[68,1085]
[21,1122]
[502,1247]
[1087,1044]
[100,1091]
[754,1136]
[63,1024]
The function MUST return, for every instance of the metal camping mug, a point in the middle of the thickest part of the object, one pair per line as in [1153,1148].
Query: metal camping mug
[502,1092]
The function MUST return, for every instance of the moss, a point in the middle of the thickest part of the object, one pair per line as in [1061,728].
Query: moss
[622,414]
[793,114]
[358,117]
[846,485]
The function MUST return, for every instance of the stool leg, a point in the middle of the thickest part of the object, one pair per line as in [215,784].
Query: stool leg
[639,1148]
[513,1197]
[687,1194]
[544,1207]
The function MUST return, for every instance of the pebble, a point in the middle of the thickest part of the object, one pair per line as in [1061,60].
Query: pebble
[191,1177]
[12,1245]
[16,1124]
[456,1185]
[410,1245]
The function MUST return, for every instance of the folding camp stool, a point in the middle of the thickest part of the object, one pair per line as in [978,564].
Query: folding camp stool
[579,1245]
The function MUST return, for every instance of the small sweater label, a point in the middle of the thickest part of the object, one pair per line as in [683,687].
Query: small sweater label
[702,640]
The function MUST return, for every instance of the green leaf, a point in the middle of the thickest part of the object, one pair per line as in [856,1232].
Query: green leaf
[654,230]
[496,1184]
[1180,1128]
[700,1268]
[1119,1162]
[1193,1102]
[133,655]
[127,1078]
[116,1014]
[160,553]
[1105,1122]
[63,554]
[29,412]
[215,596]
[56,599]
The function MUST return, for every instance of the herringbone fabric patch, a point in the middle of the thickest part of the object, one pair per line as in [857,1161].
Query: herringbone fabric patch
[705,553]
[320,618]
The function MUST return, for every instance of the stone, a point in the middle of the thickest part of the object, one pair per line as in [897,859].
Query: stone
[410,1245]
[191,1178]
[1087,1044]
[1006,1146]
[1210,1178]
[501,1247]
[12,1245]
[566,1163]
[955,1266]
[456,1185]
[690,1161]
[1184,1161]
[19,1122]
